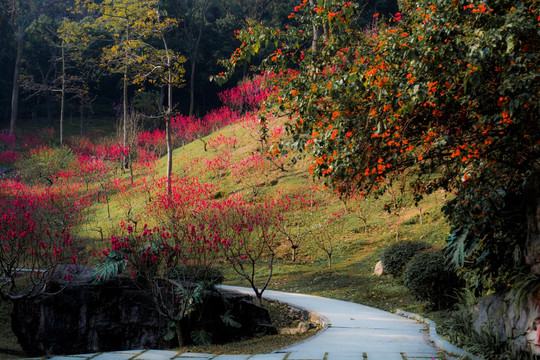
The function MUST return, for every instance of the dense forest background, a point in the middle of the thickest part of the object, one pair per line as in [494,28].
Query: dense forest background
[205,33]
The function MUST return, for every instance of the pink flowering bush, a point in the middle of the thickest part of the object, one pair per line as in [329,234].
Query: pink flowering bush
[35,233]
[247,95]
[8,157]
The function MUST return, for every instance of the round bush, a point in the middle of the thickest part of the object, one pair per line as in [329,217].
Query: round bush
[396,256]
[430,278]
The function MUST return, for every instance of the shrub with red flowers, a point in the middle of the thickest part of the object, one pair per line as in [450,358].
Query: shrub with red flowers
[8,157]
[152,141]
[222,142]
[247,235]
[187,195]
[187,129]
[252,171]
[248,95]
[245,97]
[35,238]
[173,268]
[7,144]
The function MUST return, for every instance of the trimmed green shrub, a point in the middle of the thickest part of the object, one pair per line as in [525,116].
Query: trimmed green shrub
[396,256]
[430,278]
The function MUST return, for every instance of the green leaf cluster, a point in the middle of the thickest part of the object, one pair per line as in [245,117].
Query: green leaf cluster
[445,93]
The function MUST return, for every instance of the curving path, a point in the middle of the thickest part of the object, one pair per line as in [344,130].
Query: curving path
[352,331]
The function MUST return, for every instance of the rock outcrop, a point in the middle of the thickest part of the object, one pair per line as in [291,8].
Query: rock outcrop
[501,312]
[82,317]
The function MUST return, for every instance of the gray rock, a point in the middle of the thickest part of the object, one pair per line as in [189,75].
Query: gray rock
[379,269]
[301,328]
[500,313]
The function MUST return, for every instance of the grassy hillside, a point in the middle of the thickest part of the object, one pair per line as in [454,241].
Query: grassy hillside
[357,245]
[229,160]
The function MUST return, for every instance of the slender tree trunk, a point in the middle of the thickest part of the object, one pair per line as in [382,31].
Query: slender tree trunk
[125,161]
[125,104]
[192,85]
[194,61]
[329,261]
[244,76]
[168,119]
[179,336]
[316,31]
[16,84]
[63,96]
[81,121]
[125,116]
[48,105]
[169,138]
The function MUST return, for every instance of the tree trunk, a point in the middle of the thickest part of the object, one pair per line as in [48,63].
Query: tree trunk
[194,61]
[168,128]
[179,336]
[316,31]
[63,96]
[192,86]
[81,122]
[169,155]
[124,115]
[125,104]
[48,105]
[244,76]
[16,83]
[329,261]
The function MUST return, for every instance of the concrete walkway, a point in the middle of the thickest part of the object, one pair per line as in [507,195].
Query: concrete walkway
[352,331]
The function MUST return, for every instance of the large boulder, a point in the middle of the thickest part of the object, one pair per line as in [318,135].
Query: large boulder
[520,325]
[80,316]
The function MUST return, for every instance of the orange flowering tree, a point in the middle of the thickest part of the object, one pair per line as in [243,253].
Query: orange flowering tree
[445,92]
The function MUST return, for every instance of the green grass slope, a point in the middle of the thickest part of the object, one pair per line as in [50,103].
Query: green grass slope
[357,248]
[357,245]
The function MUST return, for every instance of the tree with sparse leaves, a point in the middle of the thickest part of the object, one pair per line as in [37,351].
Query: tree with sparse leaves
[135,31]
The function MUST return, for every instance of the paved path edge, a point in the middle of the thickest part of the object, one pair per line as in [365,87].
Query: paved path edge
[321,320]
[434,336]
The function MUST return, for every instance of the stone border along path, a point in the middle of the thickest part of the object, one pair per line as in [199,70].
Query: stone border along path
[350,331]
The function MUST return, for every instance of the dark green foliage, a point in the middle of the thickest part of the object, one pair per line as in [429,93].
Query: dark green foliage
[201,337]
[112,265]
[194,273]
[228,320]
[489,230]
[396,256]
[429,278]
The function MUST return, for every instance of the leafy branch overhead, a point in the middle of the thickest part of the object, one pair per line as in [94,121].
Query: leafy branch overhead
[445,93]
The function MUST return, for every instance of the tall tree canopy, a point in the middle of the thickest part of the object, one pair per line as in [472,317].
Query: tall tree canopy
[446,92]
